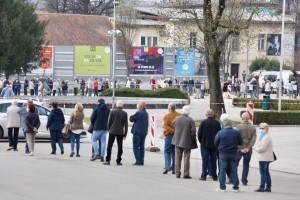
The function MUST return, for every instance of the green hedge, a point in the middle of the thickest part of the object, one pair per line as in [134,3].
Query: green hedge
[286,104]
[170,92]
[276,118]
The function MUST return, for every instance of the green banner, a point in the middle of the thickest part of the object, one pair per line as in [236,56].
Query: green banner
[92,60]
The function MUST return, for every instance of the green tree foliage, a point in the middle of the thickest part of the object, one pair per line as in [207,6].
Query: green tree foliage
[266,64]
[21,37]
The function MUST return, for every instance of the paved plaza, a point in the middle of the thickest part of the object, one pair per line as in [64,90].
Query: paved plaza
[46,176]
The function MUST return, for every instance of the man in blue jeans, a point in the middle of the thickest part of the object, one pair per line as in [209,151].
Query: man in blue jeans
[248,133]
[139,130]
[227,141]
[99,119]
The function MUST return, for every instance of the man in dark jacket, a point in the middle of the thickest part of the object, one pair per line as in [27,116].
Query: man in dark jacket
[227,141]
[207,131]
[139,130]
[99,119]
[117,128]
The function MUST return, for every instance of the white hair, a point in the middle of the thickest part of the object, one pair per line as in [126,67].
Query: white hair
[186,110]
[14,102]
[224,116]
[120,104]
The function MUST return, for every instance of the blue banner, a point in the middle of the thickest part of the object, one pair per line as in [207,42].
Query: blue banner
[185,62]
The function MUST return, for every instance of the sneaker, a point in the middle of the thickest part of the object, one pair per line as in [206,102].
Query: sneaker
[62,152]
[267,190]
[166,171]
[106,163]
[202,179]
[101,159]
[9,148]
[53,153]
[16,150]
[236,190]
[77,155]
[95,158]
[30,154]
[72,154]
[119,163]
[220,190]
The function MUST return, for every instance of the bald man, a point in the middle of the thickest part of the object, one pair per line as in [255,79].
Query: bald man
[248,133]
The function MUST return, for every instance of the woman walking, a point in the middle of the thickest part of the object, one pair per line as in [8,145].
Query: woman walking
[56,121]
[264,148]
[76,123]
[32,125]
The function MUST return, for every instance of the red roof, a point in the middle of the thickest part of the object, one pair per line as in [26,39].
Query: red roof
[76,29]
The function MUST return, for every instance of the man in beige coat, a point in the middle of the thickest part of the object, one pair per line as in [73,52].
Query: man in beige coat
[13,124]
[184,140]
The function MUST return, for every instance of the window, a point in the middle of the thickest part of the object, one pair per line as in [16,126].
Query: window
[148,41]
[235,43]
[261,42]
[193,37]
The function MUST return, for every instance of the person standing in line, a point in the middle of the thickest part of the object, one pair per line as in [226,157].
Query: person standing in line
[82,86]
[32,125]
[248,133]
[202,88]
[55,123]
[191,86]
[95,86]
[207,131]
[75,86]
[76,126]
[31,87]
[89,87]
[26,84]
[59,88]
[227,141]
[55,87]
[117,128]
[99,119]
[13,124]
[243,89]
[36,86]
[184,140]
[268,88]
[7,92]
[139,130]
[197,89]
[152,83]
[169,129]
[264,149]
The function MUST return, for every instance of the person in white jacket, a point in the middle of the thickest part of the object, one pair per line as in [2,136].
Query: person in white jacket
[264,149]
[13,124]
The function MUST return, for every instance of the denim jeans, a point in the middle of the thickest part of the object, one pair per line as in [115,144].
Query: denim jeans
[139,148]
[99,134]
[56,138]
[246,161]
[73,138]
[59,92]
[169,153]
[265,177]
[253,92]
[232,161]
[209,162]
[26,144]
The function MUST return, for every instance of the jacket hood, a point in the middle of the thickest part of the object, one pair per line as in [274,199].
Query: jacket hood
[56,111]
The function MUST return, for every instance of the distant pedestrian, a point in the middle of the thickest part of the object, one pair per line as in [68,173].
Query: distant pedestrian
[191,86]
[207,131]
[55,87]
[169,130]
[89,87]
[55,123]
[32,125]
[227,141]
[152,83]
[31,87]
[184,140]
[26,84]
[117,128]
[95,86]
[264,149]
[13,124]
[248,133]
[139,130]
[7,92]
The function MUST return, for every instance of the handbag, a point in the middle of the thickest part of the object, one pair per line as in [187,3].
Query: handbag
[66,129]
[274,155]
[91,128]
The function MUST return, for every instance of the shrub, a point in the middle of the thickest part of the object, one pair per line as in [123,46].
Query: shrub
[286,104]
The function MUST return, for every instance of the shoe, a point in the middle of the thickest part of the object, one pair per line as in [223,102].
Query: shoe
[267,190]
[215,178]
[62,152]
[53,153]
[236,190]
[9,148]
[187,177]
[77,155]
[72,154]
[106,163]
[220,190]
[119,163]
[31,154]
[177,175]
[244,184]
[173,172]
[16,150]
[27,152]
[95,158]
[101,159]
[166,171]
[259,190]
[136,164]
[202,179]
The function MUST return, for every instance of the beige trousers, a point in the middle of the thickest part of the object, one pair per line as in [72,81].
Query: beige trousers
[186,161]
[30,137]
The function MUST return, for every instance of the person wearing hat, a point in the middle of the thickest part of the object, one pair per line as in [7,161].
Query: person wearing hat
[99,120]
[184,140]
[7,92]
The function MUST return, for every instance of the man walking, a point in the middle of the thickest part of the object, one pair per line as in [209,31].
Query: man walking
[248,133]
[139,130]
[13,125]
[227,141]
[184,140]
[99,119]
[169,129]
[207,131]
[117,128]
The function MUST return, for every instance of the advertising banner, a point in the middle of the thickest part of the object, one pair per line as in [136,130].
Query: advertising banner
[273,44]
[185,62]
[92,60]
[45,63]
[200,64]
[146,60]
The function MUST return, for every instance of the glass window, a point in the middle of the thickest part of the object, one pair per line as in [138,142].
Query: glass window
[261,42]
[235,43]
[143,41]
[154,41]
[41,110]
[4,106]
[149,41]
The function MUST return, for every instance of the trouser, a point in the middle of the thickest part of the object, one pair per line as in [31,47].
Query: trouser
[31,92]
[99,145]
[59,92]
[25,91]
[95,91]
[30,138]
[56,138]
[139,148]
[209,162]
[26,144]
[75,137]
[169,153]
[233,171]
[53,92]
[197,96]
[111,140]
[186,160]
[265,177]
[13,135]
[75,91]
[246,161]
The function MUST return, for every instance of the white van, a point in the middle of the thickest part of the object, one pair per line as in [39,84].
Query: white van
[287,75]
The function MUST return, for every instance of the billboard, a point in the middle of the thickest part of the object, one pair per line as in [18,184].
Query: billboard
[146,60]
[273,44]
[185,62]
[92,60]
[200,64]
[45,63]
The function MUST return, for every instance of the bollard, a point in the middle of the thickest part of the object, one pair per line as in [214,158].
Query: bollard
[152,147]
[250,111]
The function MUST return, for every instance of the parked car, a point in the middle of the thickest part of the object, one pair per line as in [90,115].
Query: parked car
[43,112]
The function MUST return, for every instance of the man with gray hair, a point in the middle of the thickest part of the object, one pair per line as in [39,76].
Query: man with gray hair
[13,123]
[227,141]
[117,128]
[169,129]
[248,133]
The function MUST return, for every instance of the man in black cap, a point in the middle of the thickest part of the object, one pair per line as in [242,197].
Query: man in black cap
[99,120]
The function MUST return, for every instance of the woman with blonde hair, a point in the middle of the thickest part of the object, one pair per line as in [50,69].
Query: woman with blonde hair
[264,149]
[76,123]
